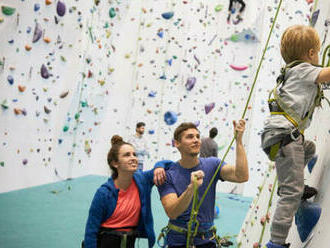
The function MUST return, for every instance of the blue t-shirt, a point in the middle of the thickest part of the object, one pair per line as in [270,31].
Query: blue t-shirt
[177,181]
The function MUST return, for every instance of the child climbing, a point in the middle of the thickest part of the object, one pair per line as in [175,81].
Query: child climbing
[296,95]
[231,11]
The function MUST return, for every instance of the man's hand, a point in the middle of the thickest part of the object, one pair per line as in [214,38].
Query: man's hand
[159,176]
[239,129]
[199,175]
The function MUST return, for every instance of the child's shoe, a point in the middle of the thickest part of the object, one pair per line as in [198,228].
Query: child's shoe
[308,192]
[270,244]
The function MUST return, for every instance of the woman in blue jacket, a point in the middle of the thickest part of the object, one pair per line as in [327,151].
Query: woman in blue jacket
[121,209]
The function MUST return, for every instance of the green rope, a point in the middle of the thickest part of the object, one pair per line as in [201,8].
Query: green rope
[325,53]
[195,211]
[269,205]
[193,215]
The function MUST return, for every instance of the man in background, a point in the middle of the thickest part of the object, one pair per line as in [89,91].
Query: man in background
[139,143]
[209,148]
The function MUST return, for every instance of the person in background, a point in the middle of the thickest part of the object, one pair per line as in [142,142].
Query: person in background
[231,10]
[209,148]
[121,208]
[140,144]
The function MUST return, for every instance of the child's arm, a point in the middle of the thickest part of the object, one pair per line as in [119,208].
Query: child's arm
[324,76]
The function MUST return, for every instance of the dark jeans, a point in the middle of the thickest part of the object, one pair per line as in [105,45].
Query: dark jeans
[113,241]
[208,245]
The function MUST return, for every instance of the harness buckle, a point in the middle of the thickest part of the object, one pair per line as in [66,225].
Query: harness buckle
[294,135]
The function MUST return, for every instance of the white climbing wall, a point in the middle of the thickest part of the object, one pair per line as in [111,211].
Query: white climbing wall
[103,72]
[251,230]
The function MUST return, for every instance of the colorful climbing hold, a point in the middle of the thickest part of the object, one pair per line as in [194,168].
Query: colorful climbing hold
[208,107]
[60,8]
[239,68]
[307,216]
[6,10]
[65,128]
[218,7]
[44,72]
[10,80]
[191,81]
[168,15]
[170,118]
[36,7]
[112,12]
[37,33]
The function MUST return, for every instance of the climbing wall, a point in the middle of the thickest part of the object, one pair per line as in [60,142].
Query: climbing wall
[256,227]
[75,73]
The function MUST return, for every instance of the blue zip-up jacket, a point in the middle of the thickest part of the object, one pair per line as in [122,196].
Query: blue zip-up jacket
[105,201]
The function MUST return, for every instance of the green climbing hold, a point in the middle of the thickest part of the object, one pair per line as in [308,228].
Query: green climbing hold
[234,38]
[76,116]
[84,104]
[65,128]
[112,12]
[4,104]
[7,10]
[218,8]
[2,164]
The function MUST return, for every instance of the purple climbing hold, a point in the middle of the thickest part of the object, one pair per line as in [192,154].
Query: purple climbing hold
[209,107]
[168,15]
[25,161]
[315,16]
[60,8]
[197,123]
[44,72]
[37,33]
[190,83]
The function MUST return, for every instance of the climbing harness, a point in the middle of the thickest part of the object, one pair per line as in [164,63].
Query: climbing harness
[278,107]
[201,234]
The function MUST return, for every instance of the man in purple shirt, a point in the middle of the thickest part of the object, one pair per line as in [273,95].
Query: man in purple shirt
[177,192]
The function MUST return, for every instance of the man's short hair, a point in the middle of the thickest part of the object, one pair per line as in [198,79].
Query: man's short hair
[296,42]
[213,132]
[183,127]
[140,124]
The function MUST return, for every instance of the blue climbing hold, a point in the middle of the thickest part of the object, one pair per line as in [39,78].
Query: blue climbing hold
[160,34]
[152,93]
[36,6]
[216,211]
[151,131]
[10,80]
[306,218]
[168,15]
[170,117]
[311,163]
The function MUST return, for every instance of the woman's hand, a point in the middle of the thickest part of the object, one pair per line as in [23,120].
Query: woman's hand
[159,176]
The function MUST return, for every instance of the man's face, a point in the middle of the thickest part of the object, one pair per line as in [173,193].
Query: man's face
[140,130]
[190,142]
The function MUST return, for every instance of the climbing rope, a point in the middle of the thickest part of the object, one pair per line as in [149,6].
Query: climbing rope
[268,208]
[195,209]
